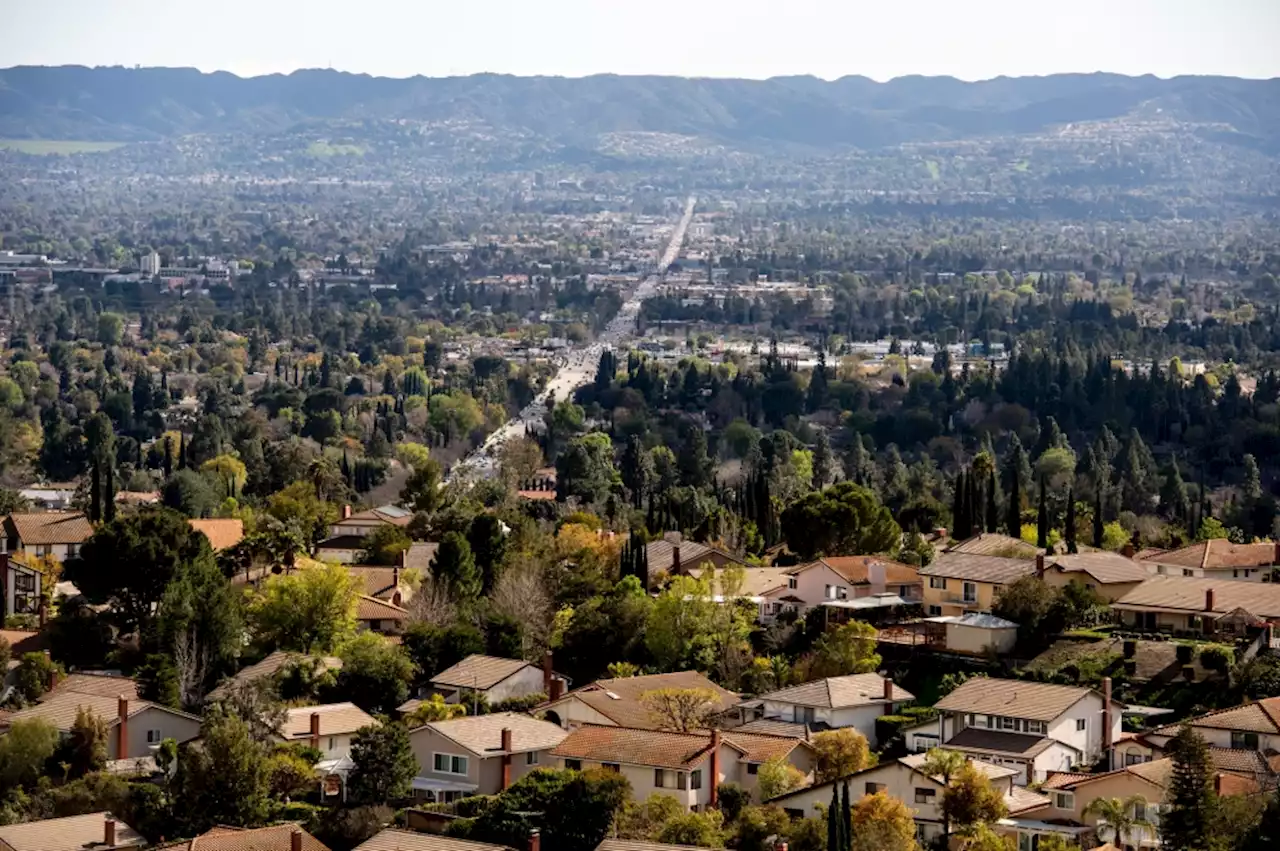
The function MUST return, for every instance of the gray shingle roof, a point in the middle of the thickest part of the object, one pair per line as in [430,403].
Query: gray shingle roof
[479,672]
[978,568]
[839,692]
[1012,698]
[482,734]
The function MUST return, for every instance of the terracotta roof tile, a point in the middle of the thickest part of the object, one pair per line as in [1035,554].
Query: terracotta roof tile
[335,719]
[1257,716]
[1218,554]
[372,609]
[620,699]
[479,672]
[1189,594]
[665,749]
[222,532]
[51,527]
[73,833]
[1063,779]
[839,692]
[856,569]
[376,581]
[392,839]
[274,838]
[1014,698]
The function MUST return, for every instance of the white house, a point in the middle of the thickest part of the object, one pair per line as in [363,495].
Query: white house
[20,588]
[851,578]
[495,678]
[48,533]
[328,728]
[853,701]
[1033,727]
[135,728]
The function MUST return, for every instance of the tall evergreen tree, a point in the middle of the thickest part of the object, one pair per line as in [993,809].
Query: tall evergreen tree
[1098,522]
[1187,824]
[833,820]
[959,521]
[1014,463]
[1070,531]
[846,820]
[992,512]
[1042,519]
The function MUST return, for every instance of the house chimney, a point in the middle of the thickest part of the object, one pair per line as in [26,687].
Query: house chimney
[675,559]
[122,728]
[53,679]
[109,832]
[888,689]
[715,768]
[506,757]
[315,730]
[875,575]
[346,512]
[1127,550]
[1209,600]
[1106,719]
[295,839]
[548,673]
[1040,565]
[535,841]
[557,689]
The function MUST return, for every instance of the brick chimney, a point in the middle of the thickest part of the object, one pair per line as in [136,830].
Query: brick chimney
[888,689]
[122,728]
[1127,550]
[315,730]
[715,768]
[675,560]
[53,679]
[1209,600]
[535,841]
[557,689]
[346,512]
[1040,565]
[506,757]
[548,673]
[1106,719]
[295,839]
[109,832]
[780,846]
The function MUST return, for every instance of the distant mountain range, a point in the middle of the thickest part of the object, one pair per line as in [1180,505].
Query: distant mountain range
[74,102]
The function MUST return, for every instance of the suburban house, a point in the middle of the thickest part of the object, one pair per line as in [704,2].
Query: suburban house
[1109,574]
[328,728]
[495,678]
[1069,795]
[1254,726]
[135,728]
[73,833]
[671,556]
[49,533]
[1217,558]
[620,702]
[364,523]
[20,587]
[853,701]
[1033,727]
[972,634]
[1197,604]
[899,778]
[686,766]
[223,532]
[53,496]
[959,583]
[994,544]
[382,583]
[275,664]
[279,837]
[767,588]
[852,578]
[479,754]
[381,616]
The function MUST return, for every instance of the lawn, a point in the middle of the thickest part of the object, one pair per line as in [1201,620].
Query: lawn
[44,147]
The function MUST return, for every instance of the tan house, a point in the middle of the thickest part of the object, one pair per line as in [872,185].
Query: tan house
[363,523]
[1217,558]
[479,754]
[395,839]
[672,555]
[1111,575]
[854,578]
[101,831]
[495,678]
[48,533]
[1197,604]
[330,729]
[1250,728]
[135,728]
[381,616]
[686,766]
[854,701]
[620,702]
[767,588]
[959,583]
[994,544]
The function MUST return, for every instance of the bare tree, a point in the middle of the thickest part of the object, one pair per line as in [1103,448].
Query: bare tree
[522,595]
[681,709]
[433,604]
[191,661]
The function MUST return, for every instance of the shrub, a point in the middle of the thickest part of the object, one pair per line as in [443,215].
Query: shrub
[1130,649]
[1215,659]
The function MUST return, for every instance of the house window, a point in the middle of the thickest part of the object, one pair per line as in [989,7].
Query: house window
[695,779]
[831,592]
[1081,725]
[573,764]
[611,766]
[1140,811]
[1008,723]
[1036,727]
[802,714]
[1244,741]
[331,743]
[793,583]
[445,763]
[153,737]
[793,814]
[1064,800]
[531,758]
[938,582]
[659,778]
[925,796]
[873,788]
[970,592]
[753,768]
[935,611]
[1136,759]
[73,550]
[44,549]
[1186,571]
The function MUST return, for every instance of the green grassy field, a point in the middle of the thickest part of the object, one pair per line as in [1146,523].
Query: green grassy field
[57,146]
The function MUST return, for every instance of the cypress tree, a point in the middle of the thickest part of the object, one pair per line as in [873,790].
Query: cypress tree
[1070,531]
[846,820]
[109,495]
[1188,823]
[1098,521]
[1042,520]
[95,493]
[962,529]
[1013,513]
[833,820]
[993,513]
[182,450]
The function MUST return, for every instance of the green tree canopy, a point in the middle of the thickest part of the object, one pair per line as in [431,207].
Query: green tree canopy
[844,519]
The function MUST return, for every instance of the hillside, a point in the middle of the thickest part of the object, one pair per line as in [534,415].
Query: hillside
[73,102]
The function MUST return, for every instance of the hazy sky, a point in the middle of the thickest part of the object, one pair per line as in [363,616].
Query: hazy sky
[971,39]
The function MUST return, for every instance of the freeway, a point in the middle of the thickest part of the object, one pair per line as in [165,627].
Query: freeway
[578,366]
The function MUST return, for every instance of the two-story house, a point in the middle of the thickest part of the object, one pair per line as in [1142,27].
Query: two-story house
[1197,604]
[621,702]
[904,780]
[1033,727]
[854,701]
[48,533]
[381,616]
[135,728]
[853,577]
[480,754]
[1251,728]
[494,678]
[960,583]
[1217,558]
[766,588]
[328,728]
[686,766]
[1111,575]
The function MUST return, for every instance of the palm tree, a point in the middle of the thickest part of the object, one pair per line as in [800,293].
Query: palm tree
[1120,815]
[944,764]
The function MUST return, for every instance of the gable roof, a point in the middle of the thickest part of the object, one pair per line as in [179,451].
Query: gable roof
[376,580]
[391,515]
[856,569]
[840,692]
[102,685]
[482,734]
[271,665]
[1257,716]
[1216,554]
[222,532]
[1013,698]
[994,544]
[637,845]
[60,710]
[393,839]
[977,740]
[67,834]
[277,837]
[51,527]
[1190,594]
[620,699]
[665,748]
[756,581]
[479,672]
[1105,567]
[912,763]
[372,609]
[335,719]
[979,568]
[661,555]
